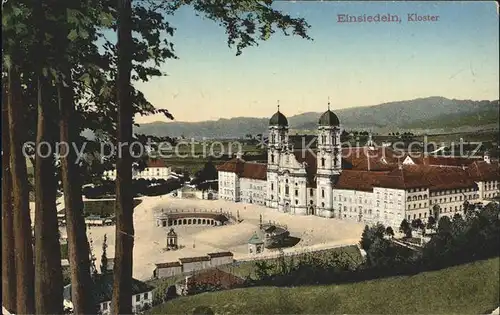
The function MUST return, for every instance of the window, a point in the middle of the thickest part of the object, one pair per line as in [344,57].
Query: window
[296,202]
[138,298]
[322,204]
[272,186]
[323,139]
[272,158]
[287,191]
[146,296]
[322,193]
[105,305]
[311,192]
[296,192]
[323,162]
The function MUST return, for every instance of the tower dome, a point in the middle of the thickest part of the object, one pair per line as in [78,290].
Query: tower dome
[278,119]
[329,119]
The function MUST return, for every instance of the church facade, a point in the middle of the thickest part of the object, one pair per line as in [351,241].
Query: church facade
[366,184]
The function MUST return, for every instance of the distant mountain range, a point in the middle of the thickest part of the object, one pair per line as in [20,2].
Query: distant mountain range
[423,114]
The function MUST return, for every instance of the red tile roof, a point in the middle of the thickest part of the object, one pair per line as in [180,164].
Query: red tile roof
[156,163]
[482,171]
[245,169]
[443,160]
[371,159]
[365,168]
[433,177]
[364,180]
[254,171]
[235,165]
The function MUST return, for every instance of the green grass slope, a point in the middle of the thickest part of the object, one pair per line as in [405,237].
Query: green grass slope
[466,289]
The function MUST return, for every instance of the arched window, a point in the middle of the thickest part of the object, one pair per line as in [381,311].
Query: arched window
[419,197]
[322,204]
[409,199]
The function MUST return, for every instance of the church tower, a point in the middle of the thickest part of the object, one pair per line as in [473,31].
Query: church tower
[329,161]
[277,145]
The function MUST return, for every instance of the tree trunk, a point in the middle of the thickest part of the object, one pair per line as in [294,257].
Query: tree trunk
[8,256]
[48,271]
[23,238]
[78,246]
[122,287]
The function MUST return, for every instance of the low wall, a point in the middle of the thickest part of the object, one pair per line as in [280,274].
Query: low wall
[291,252]
[191,264]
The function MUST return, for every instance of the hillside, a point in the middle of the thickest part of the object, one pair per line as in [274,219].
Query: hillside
[411,114]
[466,289]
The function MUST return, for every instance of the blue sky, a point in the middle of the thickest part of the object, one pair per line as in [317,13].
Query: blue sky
[355,64]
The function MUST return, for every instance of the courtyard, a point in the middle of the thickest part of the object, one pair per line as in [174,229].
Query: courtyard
[151,240]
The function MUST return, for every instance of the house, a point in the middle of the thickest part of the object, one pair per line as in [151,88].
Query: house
[142,293]
[155,169]
[211,279]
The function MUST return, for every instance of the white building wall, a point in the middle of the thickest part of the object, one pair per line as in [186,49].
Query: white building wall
[253,191]
[382,205]
[488,189]
[148,173]
[228,186]
[272,190]
[138,301]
